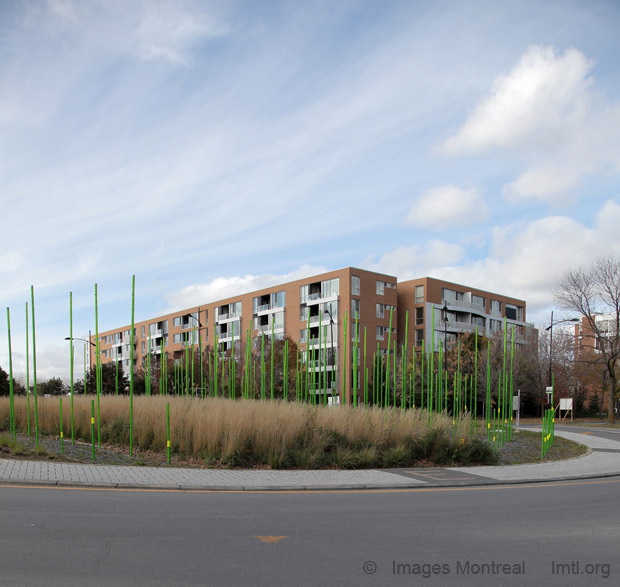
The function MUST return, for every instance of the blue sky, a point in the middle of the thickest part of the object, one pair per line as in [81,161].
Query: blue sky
[217,147]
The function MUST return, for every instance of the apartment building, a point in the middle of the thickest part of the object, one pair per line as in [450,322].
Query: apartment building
[310,311]
[440,311]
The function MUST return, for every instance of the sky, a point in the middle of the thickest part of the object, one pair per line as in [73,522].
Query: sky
[212,147]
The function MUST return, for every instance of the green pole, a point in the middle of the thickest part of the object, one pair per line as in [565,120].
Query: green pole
[285,382]
[168,430]
[34,368]
[271,373]
[355,361]
[476,384]
[98,369]
[387,366]
[215,358]
[344,361]
[365,372]
[512,355]
[62,440]
[12,423]
[133,296]
[71,362]
[28,374]
[262,367]
[92,427]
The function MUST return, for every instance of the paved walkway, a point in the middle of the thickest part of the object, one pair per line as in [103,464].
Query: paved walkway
[602,460]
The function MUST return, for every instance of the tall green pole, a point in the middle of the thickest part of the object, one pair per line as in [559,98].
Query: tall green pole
[98,370]
[262,366]
[365,372]
[28,373]
[271,373]
[344,361]
[387,366]
[62,439]
[168,430]
[355,351]
[34,368]
[12,424]
[92,427]
[84,380]
[476,384]
[71,362]
[133,297]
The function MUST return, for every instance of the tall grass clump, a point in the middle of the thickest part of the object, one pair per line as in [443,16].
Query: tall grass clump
[268,433]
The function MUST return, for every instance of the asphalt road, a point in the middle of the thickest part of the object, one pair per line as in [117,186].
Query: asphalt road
[113,537]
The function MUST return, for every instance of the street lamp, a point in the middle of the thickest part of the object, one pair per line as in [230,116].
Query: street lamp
[550,329]
[200,346]
[444,317]
[334,377]
[72,338]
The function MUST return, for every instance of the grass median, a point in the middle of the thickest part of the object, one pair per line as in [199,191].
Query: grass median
[266,434]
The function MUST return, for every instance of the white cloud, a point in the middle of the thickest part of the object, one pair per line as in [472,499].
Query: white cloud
[543,110]
[225,287]
[416,261]
[447,206]
[540,96]
[524,260]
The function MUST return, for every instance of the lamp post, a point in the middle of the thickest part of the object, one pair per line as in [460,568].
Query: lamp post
[72,338]
[444,318]
[335,372]
[199,346]
[550,329]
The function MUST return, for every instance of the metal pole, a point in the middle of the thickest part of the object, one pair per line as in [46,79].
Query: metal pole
[551,348]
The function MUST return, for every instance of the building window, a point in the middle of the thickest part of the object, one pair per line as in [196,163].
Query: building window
[496,308]
[419,294]
[382,331]
[176,321]
[511,312]
[477,300]
[355,309]
[419,336]
[419,316]
[383,308]
[355,285]
[381,285]
[478,321]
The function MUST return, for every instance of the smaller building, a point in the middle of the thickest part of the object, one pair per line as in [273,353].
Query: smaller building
[467,309]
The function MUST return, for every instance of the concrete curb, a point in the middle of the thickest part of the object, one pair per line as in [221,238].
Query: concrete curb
[575,469]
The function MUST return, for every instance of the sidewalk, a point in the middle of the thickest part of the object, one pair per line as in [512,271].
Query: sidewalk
[602,460]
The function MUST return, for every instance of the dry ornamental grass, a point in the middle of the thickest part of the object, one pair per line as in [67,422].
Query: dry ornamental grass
[276,434]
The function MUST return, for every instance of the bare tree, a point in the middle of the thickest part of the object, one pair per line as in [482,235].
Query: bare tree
[594,293]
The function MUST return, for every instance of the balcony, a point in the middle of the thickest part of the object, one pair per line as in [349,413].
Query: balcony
[266,329]
[462,305]
[227,317]
[155,334]
[322,319]
[317,298]
[267,308]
